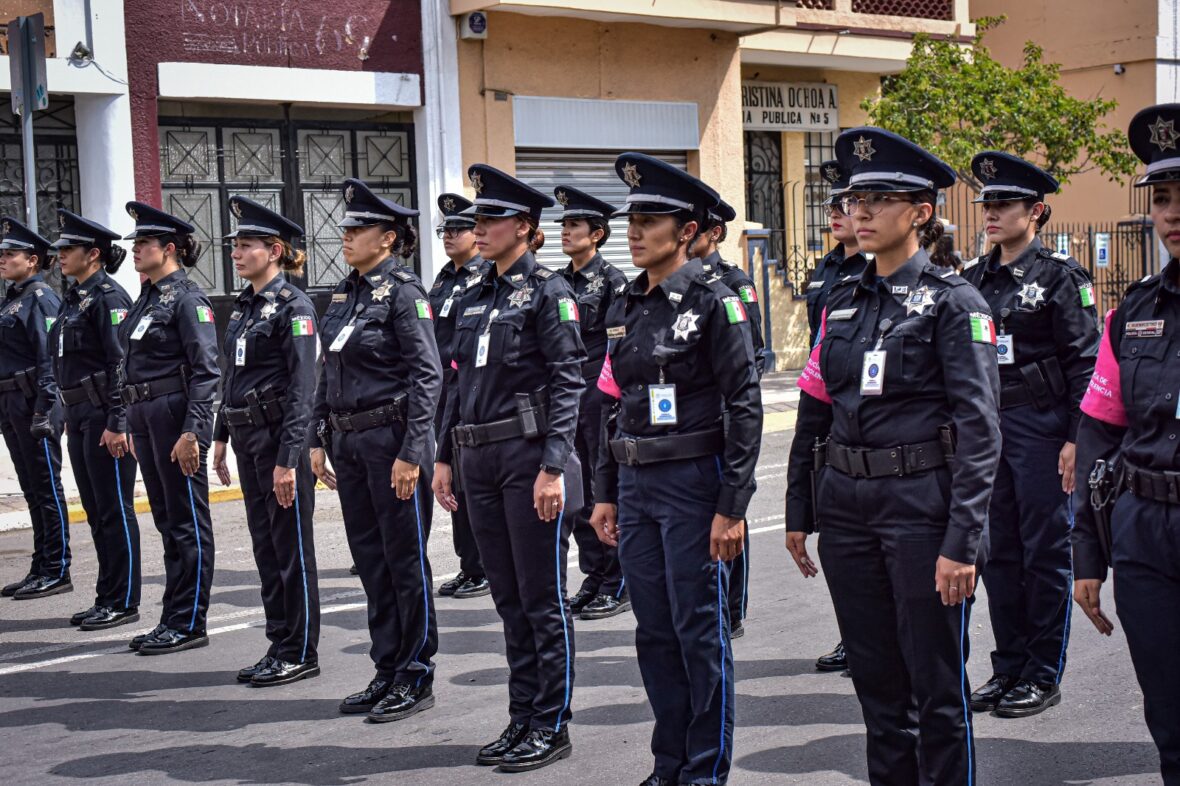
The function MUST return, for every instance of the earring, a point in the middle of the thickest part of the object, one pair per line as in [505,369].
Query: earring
[914,224]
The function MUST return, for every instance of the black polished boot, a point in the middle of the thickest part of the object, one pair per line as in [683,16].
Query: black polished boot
[106,617]
[364,701]
[448,588]
[836,660]
[76,619]
[10,589]
[493,753]
[986,698]
[539,748]
[402,701]
[473,588]
[247,674]
[283,672]
[170,640]
[43,587]
[605,606]
[1028,698]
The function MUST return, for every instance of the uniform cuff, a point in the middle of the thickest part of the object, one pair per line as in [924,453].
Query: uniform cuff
[1075,418]
[117,423]
[960,545]
[799,516]
[1088,562]
[220,430]
[288,457]
[411,454]
[191,424]
[734,501]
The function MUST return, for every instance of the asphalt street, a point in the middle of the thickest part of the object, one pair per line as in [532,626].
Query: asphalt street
[82,708]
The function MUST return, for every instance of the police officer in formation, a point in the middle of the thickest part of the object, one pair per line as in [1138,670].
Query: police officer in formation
[596,284]
[906,364]
[378,390]
[170,377]
[1046,342]
[514,412]
[842,261]
[674,481]
[465,270]
[87,357]
[29,415]
[266,398]
[1131,417]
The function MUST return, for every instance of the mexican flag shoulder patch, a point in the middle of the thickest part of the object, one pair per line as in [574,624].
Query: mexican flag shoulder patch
[567,310]
[204,314]
[748,294]
[49,322]
[1087,294]
[422,307]
[735,310]
[983,329]
[118,315]
[302,326]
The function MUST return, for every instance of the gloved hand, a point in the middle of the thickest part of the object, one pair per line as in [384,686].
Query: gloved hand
[41,427]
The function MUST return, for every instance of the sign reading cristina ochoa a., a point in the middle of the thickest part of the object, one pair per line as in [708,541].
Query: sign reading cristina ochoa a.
[790,106]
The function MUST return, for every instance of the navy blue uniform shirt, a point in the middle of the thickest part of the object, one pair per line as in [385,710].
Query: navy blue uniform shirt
[595,286]
[449,286]
[833,267]
[740,284]
[26,315]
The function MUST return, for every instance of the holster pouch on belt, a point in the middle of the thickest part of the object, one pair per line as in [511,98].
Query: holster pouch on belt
[1105,482]
[95,385]
[1035,382]
[946,436]
[25,381]
[530,408]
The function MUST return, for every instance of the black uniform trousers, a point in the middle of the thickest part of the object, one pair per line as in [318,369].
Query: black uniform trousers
[388,540]
[38,469]
[180,508]
[107,488]
[284,544]
[1145,537]
[598,562]
[463,539]
[679,595]
[525,559]
[906,650]
[1029,569]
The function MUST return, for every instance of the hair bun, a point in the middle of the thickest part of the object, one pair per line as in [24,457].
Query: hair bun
[114,258]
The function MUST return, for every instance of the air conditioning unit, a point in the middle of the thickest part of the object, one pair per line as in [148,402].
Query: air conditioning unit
[474,25]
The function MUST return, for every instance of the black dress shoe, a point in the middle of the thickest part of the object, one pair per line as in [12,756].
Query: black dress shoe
[656,780]
[43,587]
[1028,698]
[138,640]
[737,630]
[583,599]
[283,672]
[247,674]
[170,640]
[107,617]
[81,615]
[474,588]
[448,588]
[402,701]
[539,748]
[493,752]
[836,660]
[10,589]
[605,606]
[364,701]
[352,569]
[986,698]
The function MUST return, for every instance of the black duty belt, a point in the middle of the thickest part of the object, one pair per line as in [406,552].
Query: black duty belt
[1015,396]
[22,381]
[266,412]
[486,433]
[882,462]
[146,391]
[9,385]
[634,452]
[1041,384]
[92,388]
[370,418]
[1158,485]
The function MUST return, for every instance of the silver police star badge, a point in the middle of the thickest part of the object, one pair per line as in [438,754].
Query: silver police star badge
[631,175]
[134,215]
[5,228]
[863,149]
[831,174]
[685,325]
[236,207]
[382,292]
[563,199]
[521,297]
[1031,294]
[167,294]
[477,182]
[1163,133]
[988,169]
[268,310]
[594,285]
[919,300]
[448,204]
[349,192]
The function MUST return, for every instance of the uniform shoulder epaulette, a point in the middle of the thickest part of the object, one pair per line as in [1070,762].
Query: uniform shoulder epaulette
[107,286]
[1147,280]
[287,294]
[946,275]
[543,273]
[846,280]
[403,275]
[972,263]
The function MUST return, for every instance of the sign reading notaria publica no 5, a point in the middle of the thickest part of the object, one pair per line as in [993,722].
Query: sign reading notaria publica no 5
[790,106]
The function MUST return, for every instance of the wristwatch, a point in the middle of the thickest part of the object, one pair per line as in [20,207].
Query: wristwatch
[189,436]
[552,470]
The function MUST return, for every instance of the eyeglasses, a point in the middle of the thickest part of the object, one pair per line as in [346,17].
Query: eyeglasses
[872,204]
[443,232]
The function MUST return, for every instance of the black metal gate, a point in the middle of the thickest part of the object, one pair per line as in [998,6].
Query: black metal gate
[764,187]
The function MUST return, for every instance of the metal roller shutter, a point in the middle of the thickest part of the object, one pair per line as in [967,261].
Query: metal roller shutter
[592,172]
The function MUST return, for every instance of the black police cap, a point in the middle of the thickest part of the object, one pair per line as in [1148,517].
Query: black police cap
[836,176]
[1006,177]
[498,195]
[16,236]
[576,203]
[879,160]
[1155,139]
[722,213]
[255,220]
[363,208]
[79,231]
[659,188]
[451,206]
[153,222]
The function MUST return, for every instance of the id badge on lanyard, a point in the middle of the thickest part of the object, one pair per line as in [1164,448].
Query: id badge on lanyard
[141,327]
[340,340]
[661,400]
[484,346]
[448,304]
[872,371]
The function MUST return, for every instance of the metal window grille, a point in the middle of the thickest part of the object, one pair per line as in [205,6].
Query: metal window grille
[818,146]
[57,164]
[921,9]
[817,5]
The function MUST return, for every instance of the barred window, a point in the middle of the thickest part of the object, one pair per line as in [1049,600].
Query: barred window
[819,146]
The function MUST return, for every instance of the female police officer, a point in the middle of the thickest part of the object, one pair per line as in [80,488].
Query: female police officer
[672,487]
[514,410]
[170,376]
[907,361]
[28,414]
[266,399]
[377,394]
[1046,339]
[87,354]
[1132,405]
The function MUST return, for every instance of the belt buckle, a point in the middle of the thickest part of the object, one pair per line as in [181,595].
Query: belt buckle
[858,463]
[631,450]
[463,436]
[345,422]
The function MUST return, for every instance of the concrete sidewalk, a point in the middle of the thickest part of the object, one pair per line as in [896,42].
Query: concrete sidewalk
[780,399]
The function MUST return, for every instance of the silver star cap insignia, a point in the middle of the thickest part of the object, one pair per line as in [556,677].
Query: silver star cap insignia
[563,199]
[1163,133]
[1031,294]
[448,204]
[863,149]
[236,207]
[61,220]
[349,192]
[631,175]
[5,228]
[919,300]
[832,174]
[685,325]
[133,214]
[477,182]
[987,168]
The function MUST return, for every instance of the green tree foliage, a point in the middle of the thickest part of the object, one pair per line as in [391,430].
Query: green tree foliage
[956,100]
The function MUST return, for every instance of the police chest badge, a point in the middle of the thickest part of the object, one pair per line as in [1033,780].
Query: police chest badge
[685,325]
[13,308]
[919,300]
[268,310]
[521,297]
[1031,294]
[382,292]
[594,285]
[167,294]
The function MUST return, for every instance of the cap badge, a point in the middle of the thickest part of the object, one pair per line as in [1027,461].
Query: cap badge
[863,149]
[448,204]
[349,192]
[988,169]
[831,174]
[631,175]
[5,228]
[61,220]
[477,182]
[134,215]
[1163,133]
[236,207]
[563,198]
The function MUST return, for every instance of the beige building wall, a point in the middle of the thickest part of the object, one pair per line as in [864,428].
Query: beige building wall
[1088,38]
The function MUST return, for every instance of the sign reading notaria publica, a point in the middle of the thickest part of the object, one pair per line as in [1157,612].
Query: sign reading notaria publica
[790,106]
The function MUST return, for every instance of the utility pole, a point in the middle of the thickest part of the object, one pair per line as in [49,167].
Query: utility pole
[26,55]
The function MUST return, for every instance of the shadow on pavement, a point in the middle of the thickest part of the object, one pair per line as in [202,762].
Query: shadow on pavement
[113,685]
[164,715]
